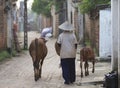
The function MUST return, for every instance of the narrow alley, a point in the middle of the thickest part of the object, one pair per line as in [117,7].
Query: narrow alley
[18,71]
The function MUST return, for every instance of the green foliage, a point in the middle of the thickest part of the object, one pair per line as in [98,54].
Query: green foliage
[42,7]
[87,5]
[4,55]
[58,4]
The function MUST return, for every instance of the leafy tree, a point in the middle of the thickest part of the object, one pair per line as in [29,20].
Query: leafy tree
[42,7]
[58,4]
[86,6]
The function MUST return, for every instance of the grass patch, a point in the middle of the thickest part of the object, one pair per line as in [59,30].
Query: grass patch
[13,53]
[4,55]
[87,42]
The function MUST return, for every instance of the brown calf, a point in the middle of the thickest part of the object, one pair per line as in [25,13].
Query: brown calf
[86,54]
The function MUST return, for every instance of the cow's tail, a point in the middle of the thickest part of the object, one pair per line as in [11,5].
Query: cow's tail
[36,63]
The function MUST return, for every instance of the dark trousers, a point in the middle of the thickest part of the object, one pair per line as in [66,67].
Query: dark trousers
[68,69]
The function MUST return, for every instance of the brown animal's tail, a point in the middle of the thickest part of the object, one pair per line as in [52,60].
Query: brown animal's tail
[36,63]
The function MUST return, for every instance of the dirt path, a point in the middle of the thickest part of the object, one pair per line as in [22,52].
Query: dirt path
[18,71]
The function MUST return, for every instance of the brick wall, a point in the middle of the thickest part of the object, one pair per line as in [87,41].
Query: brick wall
[87,27]
[46,22]
[3,27]
[92,32]
[97,35]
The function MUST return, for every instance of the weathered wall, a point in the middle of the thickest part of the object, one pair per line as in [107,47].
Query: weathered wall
[115,29]
[119,44]
[3,31]
[92,32]
[105,33]
[87,27]
[46,22]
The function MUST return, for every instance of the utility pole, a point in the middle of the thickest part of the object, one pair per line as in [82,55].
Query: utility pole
[25,26]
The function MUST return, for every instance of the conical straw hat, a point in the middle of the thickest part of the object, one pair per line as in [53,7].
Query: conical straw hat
[66,26]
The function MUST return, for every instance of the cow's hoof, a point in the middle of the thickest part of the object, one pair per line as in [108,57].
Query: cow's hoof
[39,76]
[36,78]
[86,73]
[81,75]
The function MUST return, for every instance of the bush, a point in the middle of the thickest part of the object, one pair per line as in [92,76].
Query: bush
[4,55]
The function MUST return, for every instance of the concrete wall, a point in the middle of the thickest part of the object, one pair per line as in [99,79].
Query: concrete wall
[80,27]
[69,9]
[105,33]
[119,44]
[114,22]
[115,8]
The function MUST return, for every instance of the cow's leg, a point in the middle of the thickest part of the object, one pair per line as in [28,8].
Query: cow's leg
[81,68]
[36,74]
[36,70]
[86,68]
[40,68]
[93,62]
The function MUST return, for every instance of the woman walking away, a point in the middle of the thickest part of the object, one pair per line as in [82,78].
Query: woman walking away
[68,46]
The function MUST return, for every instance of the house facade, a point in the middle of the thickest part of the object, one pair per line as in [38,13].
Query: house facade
[69,12]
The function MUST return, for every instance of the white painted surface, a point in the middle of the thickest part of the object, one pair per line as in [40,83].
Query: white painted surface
[69,9]
[119,44]
[9,30]
[105,33]
[114,22]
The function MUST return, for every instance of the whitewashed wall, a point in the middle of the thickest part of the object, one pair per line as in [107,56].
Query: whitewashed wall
[9,30]
[105,33]
[115,30]
[69,9]
[80,26]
